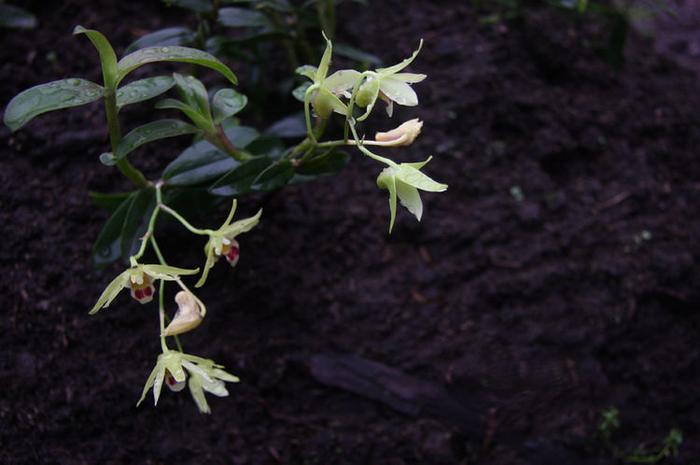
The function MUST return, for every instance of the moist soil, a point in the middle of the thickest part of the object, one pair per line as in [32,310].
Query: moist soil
[557,276]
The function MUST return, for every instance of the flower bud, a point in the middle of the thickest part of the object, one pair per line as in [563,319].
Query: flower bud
[402,135]
[187,317]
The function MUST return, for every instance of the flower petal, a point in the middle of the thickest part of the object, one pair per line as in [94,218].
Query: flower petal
[411,78]
[211,260]
[367,96]
[398,67]
[167,273]
[342,80]
[398,91]
[111,291]
[195,385]
[387,180]
[322,70]
[410,198]
[149,382]
[415,178]
[158,384]
[241,226]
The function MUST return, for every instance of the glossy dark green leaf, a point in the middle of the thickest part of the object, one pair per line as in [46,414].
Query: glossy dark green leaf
[266,144]
[143,89]
[110,201]
[201,121]
[240,136]
[240,179]
[149,132]
[193,93]
[326,164]
[290,127]
[356,54]
[16,18]
[136,221]
[242,17]
[226,103]
[167,36]
[107,248]
[47,97]
[198,164]
[234,46]
[172,53]
[200,6]
[274,177]
[108,59]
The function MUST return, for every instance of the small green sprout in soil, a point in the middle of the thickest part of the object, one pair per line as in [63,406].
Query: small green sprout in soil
[227,160]
[610,423]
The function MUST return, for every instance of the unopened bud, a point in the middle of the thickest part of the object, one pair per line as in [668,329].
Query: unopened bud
[404,134]
[187,317]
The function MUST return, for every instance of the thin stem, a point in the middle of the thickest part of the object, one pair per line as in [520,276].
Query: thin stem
[363,149]
[307,112]
[161,316]
[115,136]
[351,104]
[161,308]
[221,140]
[183,221]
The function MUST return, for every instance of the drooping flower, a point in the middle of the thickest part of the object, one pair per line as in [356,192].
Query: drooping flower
[403,181]
[390,85]
[139,279]
[189,315]
[172,368]
[222,242]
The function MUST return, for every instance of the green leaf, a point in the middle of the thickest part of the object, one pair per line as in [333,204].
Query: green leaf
[175,53]
[242,17]
[358,55]
[267,145]
[201,121]
[167,36]
[107,247]
[16,18]
[149,132]
[51,96]
[274,177]
[226,103]
[328,163]
[200,6]
[239,180]
[136,221]
[143,89]
[198,164]
[240,136]
[108,59]
[193,93]
[110,201]
[289,127]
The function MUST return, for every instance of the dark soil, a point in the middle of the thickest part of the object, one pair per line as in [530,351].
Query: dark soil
[557,276]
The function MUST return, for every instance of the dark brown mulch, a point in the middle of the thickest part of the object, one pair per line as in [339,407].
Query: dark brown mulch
[556,277]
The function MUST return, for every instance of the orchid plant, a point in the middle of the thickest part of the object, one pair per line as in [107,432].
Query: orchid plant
[228,160]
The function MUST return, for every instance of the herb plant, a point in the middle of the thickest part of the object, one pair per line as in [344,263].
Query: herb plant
[227,160]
